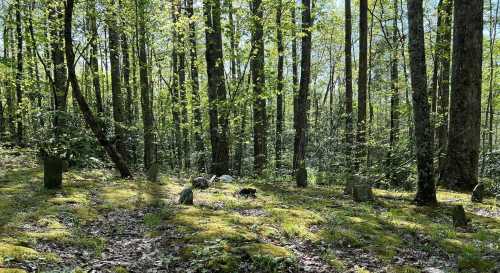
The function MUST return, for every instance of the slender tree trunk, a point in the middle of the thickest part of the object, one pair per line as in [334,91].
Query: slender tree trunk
[116,86]
[279,88]
[490,104]
[426,189]
[19,74]
[219,124]
[348,79]
[444,60]
[362,80]
[394,133]
[461,171]
[258,78]
[302,103]
[146,92]
[94,52]
[115,156]
[295,79]
[126,79]
[176,86]
[195,89]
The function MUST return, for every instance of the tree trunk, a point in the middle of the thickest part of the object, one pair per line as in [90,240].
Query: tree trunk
[219,125]
[461,171]
[394,133]
[426,189]
[295,80]
[362,80]
[302,103]
[94,52]
[195,89]
[115,156]
[176,86]
[258,79]
[19,74]
[116,87]
[126,79]
[348,80]
[444,57]
[279,88]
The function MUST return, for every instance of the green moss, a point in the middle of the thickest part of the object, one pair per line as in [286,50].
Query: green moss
[17,253]
[12,270]
[119,269]
[403,269]
[292,226]
[265,249]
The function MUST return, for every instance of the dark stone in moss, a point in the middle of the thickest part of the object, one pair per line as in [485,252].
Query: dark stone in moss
[186,197]
[477,193]
[153,173]
[459,218]
[248,192]
[52,172]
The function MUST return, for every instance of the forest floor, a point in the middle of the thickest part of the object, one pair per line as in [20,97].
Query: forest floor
[100,223]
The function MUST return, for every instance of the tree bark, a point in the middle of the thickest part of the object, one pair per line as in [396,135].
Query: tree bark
[394,132]
[302,103]
[348,80]
[444,57]
[94,52]
[195,89]
[426,189]
[461,171]
[295,79]
[219,124]
[116,86]
[279,88]
[362,80]
[176,85]
[258,81]
[115,156]
[19,74]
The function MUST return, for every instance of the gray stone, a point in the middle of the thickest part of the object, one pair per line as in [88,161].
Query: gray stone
[186,197]
[200,183]
[153,172]
[432,270]
[477,193]
[226,178]
[459,218]
[362,193]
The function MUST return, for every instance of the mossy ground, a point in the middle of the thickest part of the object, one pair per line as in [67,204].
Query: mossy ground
[222,232]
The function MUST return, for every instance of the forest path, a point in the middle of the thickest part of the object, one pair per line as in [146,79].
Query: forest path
[99,223]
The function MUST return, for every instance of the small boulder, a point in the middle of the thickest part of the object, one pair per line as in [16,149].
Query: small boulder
[186,197]
[152,174]
[362,193]
[52,172]
[226,178]
[459,218]
[200,183]
[478,193]
[352,181]
[248,192]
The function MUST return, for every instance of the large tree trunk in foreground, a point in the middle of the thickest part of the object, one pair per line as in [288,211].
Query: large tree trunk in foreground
[258,79]
[219,124]
[426,189]
[117,159]
[461,171]
[302,104]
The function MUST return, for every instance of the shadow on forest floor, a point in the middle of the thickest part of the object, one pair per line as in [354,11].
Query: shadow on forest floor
[101,223]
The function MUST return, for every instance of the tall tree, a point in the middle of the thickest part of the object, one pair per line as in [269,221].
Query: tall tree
[186,150]
[58,78]
[94,52]
[176,117]
[394,131]
[219,124]
[295,78]
[129,109]
[116,86]
[426,189]
[96,128]
[258,79]
[362,79]
[279,87]
[443,56]
[146,92]
[348,77]
[195,88]
[302,103]
[461,170]
[19,73]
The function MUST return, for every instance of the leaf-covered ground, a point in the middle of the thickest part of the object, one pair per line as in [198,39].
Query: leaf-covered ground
[99,223]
